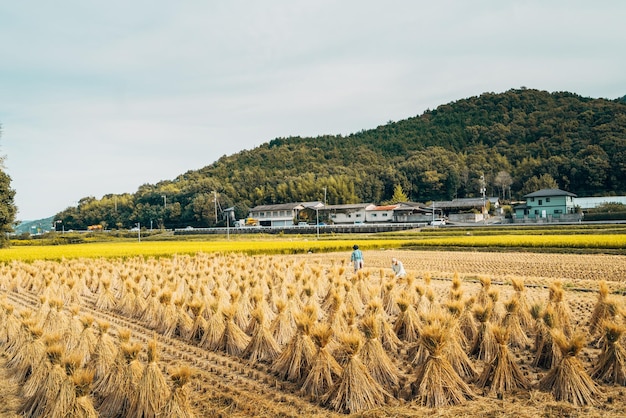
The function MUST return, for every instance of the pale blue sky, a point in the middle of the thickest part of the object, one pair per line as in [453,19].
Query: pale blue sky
[102,97]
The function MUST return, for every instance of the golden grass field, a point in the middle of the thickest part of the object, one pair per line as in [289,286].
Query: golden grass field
[204,310]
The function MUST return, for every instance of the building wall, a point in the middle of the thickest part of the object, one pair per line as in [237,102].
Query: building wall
[549,206]
[348,218]
[376,216]
[275,217]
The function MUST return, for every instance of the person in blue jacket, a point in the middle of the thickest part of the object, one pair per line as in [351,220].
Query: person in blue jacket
[357,258]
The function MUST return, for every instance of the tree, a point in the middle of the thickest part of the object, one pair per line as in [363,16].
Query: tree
[7,205]
[545,181]
[398,195]
[503,180]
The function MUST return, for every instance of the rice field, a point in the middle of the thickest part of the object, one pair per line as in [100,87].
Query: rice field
[228,332]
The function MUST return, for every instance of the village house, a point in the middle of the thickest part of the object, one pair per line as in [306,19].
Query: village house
[413,212]
[279,215]
[347,214]
[465,210]
[379,214]
[547,205]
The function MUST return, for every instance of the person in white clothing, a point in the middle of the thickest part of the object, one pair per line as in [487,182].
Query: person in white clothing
[398,267]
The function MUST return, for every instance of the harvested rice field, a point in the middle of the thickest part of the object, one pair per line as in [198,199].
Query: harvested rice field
[215,335]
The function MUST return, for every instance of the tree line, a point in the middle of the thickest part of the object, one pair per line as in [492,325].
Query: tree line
[511,144]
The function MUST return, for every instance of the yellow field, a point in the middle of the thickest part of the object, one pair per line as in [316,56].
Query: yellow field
[126,249]
[607,241]
[301,245]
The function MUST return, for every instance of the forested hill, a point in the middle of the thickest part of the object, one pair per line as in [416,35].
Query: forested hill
[519,141]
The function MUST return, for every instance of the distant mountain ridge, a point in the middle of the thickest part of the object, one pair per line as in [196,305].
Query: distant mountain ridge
[35,227]
[509,142]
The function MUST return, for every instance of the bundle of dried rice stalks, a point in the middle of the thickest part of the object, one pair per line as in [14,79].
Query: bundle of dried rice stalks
[605,308]
[44,397]
[151,315]
[65,398]
[483,297]
[484,346]
[356,390]
[467,324]
[374,357]
[105,300]
[74,328]
[56,320]
[611,365]
[262,347]
[105,352]
[152,391]
[390,294]
[184,323]
[436,383]
[196,307]
[524,307]
[388,336]
[168,315]
[118,401]
[41,367]
[324,368]
[456,293]
[242,313]
[10,326]
[562,312]
[502,374]
[233,340]
[83,403]
[455,349]
[512,322]
[214,328]
[178,403]
[111,378]
[568,381]
[294,362]
[407,324]
[28,354]
[86,341]
[547,352]
[283,327]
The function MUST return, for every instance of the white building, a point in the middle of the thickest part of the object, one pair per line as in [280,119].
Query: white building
[284,214]
[348,214]
[379,214]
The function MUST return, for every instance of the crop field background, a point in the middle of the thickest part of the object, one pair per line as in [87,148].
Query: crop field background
[297,333]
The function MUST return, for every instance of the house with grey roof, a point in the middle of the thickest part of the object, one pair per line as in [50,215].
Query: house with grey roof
[284,214]
[354,213]
[471,209]
[547,205]
[407,212]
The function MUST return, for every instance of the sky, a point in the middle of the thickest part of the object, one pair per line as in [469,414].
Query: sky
[103,97]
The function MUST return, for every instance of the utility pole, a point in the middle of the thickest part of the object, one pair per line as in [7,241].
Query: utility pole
[433,222]
[215,204]
[483,189]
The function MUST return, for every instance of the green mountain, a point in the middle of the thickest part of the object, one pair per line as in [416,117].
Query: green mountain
[35,227]
[512,143]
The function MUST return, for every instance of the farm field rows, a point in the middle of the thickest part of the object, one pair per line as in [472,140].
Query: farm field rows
[206,311]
